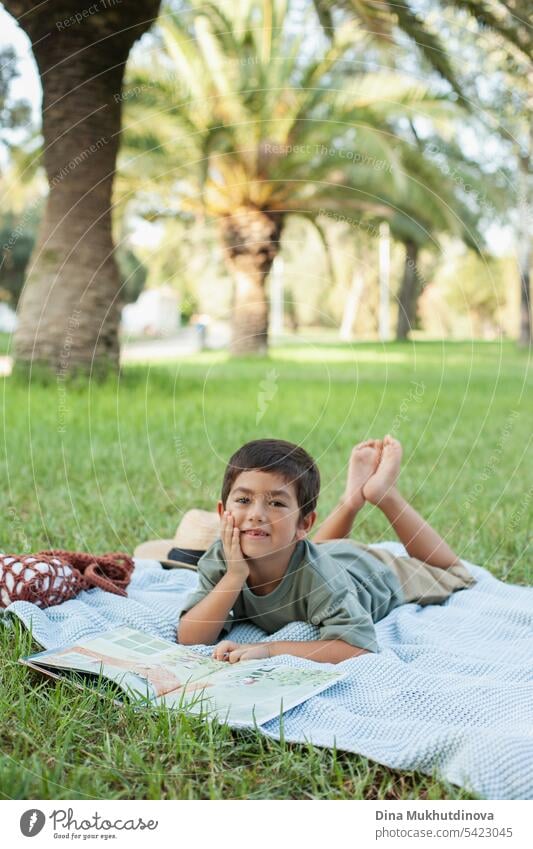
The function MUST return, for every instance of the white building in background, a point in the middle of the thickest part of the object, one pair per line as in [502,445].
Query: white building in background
[8,319]
[156,312]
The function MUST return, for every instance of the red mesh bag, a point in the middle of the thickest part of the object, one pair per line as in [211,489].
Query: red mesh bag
[50,577]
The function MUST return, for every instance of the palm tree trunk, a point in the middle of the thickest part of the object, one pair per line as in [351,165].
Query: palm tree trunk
[69,311]
[251,243]
[409,292]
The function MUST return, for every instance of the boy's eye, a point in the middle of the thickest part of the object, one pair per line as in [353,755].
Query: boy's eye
[242,499]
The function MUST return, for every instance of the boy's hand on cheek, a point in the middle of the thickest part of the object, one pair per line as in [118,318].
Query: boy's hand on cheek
[230,536]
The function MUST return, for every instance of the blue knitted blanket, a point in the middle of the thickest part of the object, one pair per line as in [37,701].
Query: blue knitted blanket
[450,692]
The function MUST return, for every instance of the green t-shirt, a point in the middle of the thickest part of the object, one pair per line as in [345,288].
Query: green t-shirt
[335,585]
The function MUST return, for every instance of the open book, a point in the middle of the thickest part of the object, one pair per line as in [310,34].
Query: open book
[153,671]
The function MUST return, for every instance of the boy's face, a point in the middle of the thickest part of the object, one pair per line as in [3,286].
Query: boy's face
[266,511]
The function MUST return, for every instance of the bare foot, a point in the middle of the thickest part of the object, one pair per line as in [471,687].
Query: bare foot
[384,479]
[364,461]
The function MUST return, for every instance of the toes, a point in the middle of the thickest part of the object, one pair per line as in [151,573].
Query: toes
[391,444]
[373,444]
[359,449]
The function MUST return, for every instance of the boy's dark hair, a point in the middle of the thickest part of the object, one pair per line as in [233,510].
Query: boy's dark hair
[277,456]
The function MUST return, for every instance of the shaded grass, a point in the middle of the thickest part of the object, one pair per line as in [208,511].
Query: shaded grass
[105,465]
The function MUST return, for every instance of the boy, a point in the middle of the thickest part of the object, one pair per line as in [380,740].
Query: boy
[264,569]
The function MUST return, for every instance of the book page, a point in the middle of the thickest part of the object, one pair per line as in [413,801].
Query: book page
[247,692]
[167,673]
[72,661]
[134,658]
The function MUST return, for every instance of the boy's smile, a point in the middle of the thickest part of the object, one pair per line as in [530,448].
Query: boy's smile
[255,534]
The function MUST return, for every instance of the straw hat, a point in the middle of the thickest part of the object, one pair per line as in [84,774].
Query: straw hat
[196,532]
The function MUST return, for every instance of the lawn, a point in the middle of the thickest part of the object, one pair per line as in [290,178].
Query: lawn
[105,465]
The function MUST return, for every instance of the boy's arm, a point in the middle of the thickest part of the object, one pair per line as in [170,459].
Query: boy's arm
[321,651]
[203,622]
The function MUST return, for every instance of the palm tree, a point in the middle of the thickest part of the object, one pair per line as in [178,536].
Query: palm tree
[507,109]
[256,137]
[433,206]
[69,314]
[385,19]
[506,51]
[420,212]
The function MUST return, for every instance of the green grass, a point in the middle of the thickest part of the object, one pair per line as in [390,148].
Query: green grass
[104,466]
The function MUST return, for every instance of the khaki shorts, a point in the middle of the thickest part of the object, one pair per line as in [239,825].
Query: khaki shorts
[421,582]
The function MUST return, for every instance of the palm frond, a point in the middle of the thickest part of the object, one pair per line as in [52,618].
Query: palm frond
[262,134]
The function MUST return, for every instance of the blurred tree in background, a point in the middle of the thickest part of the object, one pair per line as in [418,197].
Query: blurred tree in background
[17,232]
[17,238]
[498,78]
[13,113]
[73,284]
[239,118]
[265,122]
